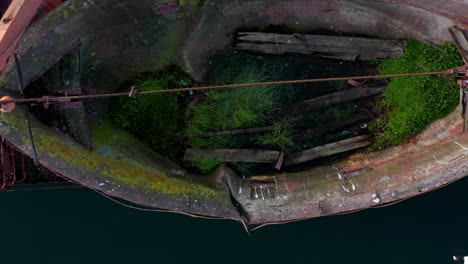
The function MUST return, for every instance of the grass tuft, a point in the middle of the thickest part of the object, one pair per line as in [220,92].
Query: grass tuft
[411,103]
[281,135]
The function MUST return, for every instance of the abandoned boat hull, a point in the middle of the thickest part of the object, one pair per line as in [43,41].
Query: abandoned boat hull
[120,166]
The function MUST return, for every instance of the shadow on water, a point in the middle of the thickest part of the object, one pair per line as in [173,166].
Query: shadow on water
[80,226]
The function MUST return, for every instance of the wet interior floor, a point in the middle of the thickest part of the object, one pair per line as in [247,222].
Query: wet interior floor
[80,226]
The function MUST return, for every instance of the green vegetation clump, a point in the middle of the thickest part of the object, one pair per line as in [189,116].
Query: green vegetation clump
[240,108]
[234,108]
[155,119]
[281,135]
[411,103]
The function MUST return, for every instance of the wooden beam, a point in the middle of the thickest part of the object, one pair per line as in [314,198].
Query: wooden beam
[232,155]
[16,19]
[336,98]
[333,126]
[461,41]
[333,47]
[233,132]
[328,149]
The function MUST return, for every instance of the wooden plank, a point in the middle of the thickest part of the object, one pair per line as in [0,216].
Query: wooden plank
[240,131]
[328,149]
[336,98]
[232,155]
[460,41]
[17,17]
[308,133]
[333,126]
[334,47]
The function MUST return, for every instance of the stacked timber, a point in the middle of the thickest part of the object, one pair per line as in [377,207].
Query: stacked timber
[308,131]
[333,47]
[271,156]
[304,132]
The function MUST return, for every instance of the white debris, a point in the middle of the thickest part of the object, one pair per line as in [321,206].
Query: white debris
[102,184]
[338,172]
[375,199]
[345,189]
[328,194]
[240,187]
[353,186]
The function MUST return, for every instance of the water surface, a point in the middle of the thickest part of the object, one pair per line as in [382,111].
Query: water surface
[80,226]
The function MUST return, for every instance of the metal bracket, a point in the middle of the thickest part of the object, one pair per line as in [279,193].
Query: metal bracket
[63,103]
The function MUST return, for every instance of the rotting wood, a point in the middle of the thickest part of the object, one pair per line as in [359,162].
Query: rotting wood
[310,132]
[334,47]
[460,41]
[333,126]
[329,149]
[237,131]
[262,178]
[232,155]
[280,161]
[337,98]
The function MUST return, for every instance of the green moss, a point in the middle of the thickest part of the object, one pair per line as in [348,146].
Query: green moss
[156,119]
[126,169]
[411,103]
[205,166]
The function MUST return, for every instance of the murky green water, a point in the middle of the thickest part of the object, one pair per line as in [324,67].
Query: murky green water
[80,226]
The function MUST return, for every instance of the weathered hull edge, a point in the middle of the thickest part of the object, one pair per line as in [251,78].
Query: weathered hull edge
[49,38]
[108,170]
[392,175]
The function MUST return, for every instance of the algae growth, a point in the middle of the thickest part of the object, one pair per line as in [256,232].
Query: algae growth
[113,164]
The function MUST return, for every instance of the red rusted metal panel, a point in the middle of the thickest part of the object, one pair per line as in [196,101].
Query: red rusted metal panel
[19,14]
[9,165]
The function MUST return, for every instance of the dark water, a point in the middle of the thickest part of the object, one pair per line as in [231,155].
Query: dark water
[80,226]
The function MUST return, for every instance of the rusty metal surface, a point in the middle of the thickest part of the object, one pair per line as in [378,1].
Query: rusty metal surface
[12,166]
